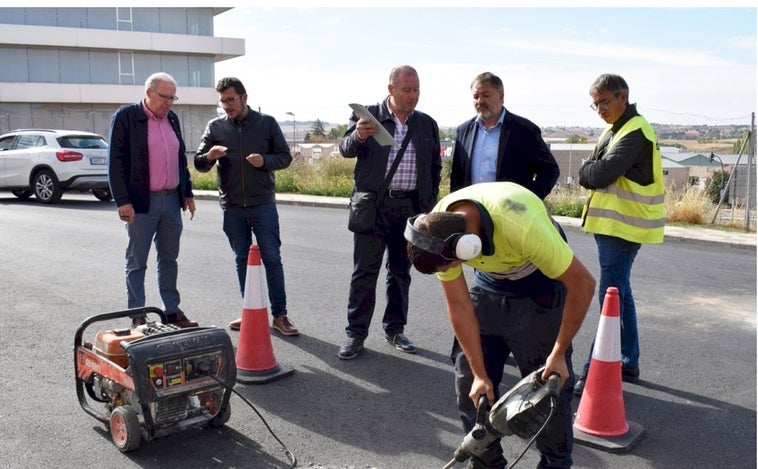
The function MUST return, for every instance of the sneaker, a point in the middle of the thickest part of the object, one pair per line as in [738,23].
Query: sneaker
[236,324]
[401,342]
[630,375]
[180,320]
[350,349]
[284,325]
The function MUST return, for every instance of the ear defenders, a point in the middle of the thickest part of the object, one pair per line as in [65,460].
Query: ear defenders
[458,246]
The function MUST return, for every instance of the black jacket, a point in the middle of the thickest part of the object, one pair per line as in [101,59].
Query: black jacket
[240,183]
[372,157]
[128,162]
[523,156]
[632,156]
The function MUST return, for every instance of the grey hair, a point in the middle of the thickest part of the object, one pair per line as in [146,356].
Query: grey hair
[397,71]
[609,82]
[489,77]
[153,80]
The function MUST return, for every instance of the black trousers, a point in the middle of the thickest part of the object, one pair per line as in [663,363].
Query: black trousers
[368,252]
[526,327]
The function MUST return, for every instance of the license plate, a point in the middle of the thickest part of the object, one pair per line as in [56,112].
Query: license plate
[97,160]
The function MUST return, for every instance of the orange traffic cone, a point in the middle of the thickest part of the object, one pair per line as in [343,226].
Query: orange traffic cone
[600,420]
[255,355]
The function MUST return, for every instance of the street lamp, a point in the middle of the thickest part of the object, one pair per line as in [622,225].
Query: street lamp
[293,131]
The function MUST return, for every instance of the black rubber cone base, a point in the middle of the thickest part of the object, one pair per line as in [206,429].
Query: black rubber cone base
[615,444]
[265,376]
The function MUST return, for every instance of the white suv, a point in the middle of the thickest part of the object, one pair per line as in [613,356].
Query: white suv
[48,162]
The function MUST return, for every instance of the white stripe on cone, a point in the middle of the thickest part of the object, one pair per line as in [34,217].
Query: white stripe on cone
[254,289]
[609,349]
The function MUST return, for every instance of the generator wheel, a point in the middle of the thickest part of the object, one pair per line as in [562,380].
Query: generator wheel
[222,417]
[125,428]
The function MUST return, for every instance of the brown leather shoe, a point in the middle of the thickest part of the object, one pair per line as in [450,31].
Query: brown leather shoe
[284,325]
[236,324]
[180,320]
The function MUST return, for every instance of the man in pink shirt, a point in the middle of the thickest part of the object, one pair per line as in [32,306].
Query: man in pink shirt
[151,185]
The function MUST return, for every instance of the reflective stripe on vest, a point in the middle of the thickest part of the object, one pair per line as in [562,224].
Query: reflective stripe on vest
[626,209]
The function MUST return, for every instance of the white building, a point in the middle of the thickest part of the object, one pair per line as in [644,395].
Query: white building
[71,68]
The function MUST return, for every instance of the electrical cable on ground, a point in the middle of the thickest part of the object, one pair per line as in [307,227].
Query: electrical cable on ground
[286,450]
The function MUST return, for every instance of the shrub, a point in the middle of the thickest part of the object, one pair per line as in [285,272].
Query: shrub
[329,176]
[333,176]
[203,181]
[566,202]
[688,205]
[714,186]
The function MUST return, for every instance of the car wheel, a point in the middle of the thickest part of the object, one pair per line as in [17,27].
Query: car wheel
[46,187]
[23,195]
[104,195]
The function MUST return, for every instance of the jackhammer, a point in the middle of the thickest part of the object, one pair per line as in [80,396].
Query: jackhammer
[523,411]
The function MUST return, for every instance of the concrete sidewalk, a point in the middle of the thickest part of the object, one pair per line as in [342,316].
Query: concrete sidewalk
[672,233]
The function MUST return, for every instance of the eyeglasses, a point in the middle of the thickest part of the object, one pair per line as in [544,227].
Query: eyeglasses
[166,97]
[603,104]
[228,101]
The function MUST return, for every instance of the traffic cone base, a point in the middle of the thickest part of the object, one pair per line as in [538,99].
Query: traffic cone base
[263,377]
[600,420]
[617,444]
[255,355]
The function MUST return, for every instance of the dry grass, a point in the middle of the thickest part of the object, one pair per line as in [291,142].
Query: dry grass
[567,202]
[329,176]
[333,176]
[688,205]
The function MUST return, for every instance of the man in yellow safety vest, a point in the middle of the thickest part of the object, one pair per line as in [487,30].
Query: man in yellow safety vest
[625,207]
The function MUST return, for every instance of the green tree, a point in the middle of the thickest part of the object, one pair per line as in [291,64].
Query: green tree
[336,133]
[576,138]
[318,129]
[449,135]
[715,184]
[737,146]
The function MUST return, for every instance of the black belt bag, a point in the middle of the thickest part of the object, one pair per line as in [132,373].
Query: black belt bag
[363,205]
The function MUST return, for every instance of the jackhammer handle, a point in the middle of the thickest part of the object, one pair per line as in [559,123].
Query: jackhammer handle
[479,430]
[554,384]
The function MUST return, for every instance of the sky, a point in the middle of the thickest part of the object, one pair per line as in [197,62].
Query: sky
[683,65]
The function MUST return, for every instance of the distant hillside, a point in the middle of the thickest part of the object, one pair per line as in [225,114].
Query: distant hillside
[697,138]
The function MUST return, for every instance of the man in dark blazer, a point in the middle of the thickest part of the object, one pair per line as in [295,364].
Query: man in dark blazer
[413,189]
[497,145]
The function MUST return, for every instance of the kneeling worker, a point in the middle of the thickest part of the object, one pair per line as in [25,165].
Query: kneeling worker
[529,298]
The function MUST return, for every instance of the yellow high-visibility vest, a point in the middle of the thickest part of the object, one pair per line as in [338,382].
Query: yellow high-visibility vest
[626,209]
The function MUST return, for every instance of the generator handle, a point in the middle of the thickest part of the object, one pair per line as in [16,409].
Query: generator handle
[115,315]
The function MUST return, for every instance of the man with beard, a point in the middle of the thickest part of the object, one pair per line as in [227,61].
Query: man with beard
[498,145]
[247,148]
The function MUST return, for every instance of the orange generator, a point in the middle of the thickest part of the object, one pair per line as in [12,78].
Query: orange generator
[155,379]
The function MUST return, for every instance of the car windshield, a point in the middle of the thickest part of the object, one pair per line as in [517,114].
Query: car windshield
[81,141]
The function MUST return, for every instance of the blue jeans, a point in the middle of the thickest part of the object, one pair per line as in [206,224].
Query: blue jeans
[616,256]
[240,224]
[162,225]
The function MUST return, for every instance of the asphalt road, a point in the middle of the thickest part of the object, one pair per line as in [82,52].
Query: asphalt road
[696,400]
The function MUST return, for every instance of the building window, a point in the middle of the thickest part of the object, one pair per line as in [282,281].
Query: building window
[125,68]
[124,19]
